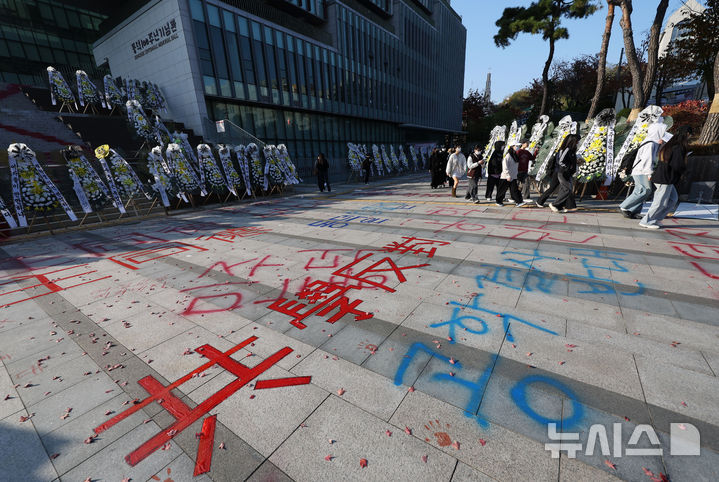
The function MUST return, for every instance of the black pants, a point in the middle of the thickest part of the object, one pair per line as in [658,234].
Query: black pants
[553,186]
[322,179]
[366,175]
[513,191]
[565,196]
[492,182]
[472,187]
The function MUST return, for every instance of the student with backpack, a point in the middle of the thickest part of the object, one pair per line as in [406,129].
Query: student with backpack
[640,165]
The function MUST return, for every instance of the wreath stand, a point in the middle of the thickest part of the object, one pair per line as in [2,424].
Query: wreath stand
[63,105]
[134,204]
[154,201]
[92,108]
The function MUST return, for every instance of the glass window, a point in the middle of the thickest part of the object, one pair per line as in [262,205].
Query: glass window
[233,55]
[256,31]
[32,53]
[242,23]
[196,10]
[210,87]
[73,18]
[218,50]
[213,15]
[15,49]
[229,20]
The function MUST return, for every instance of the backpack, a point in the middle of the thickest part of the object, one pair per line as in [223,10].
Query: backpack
[628,162]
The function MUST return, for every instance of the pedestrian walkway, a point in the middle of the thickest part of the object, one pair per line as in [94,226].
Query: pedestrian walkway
[379,332]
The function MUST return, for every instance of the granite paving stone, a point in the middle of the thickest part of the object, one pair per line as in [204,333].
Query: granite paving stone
[526,317]
[358,435]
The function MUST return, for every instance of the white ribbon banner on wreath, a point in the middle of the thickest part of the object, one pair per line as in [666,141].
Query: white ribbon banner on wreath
[153,167]
[114,192]
[244,168]
[7,214]
[16,194]
[80,192]
[233,179]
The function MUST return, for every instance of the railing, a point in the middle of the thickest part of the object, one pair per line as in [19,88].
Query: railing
[233,134]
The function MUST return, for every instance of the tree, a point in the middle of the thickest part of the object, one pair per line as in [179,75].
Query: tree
[671,69]
[475,105]
[699,42]
[633,59]
[602,67]
[541,17]
[572,83]
[710,132]
[653,48]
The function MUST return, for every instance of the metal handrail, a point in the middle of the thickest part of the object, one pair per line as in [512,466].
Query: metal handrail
[233,134]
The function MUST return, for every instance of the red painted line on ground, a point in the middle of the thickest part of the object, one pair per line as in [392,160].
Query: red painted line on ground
[121,416]
[169,402]
[11,90]
[36,135]
[282,382]
[247,376]
[204,448]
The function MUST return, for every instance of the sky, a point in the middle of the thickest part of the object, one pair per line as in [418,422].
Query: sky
[514,67]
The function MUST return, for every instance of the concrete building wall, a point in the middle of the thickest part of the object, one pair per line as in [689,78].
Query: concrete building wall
[170,62]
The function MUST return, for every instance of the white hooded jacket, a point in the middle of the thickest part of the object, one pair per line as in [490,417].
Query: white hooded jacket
[457,165]
[647,154]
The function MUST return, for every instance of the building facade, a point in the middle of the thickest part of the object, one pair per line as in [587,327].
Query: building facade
[313,74]
[38,33]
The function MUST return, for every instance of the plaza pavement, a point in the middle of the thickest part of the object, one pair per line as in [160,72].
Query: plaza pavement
[510,319]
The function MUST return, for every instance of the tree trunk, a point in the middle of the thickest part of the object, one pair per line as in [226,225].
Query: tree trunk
[653,49]
[710,132]
[545,76]
[602,67]
[632,61]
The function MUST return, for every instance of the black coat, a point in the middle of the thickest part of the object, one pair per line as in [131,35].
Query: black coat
[495,163]
[671,169]
[322,166]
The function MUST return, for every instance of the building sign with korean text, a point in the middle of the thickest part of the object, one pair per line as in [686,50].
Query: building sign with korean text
[155,39]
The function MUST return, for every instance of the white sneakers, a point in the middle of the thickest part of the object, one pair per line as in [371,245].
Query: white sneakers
[650,226]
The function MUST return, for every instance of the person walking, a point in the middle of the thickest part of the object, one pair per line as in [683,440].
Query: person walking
[445,159]
[456,168]
[641,171]
[494,169]
[322,168]
[566,165]
[525,158]
[670,167]
[436,169]
[553,167]
[367,167]
[474,174]
[508,178]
